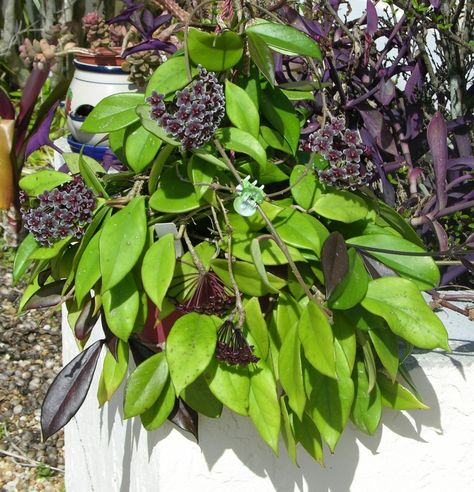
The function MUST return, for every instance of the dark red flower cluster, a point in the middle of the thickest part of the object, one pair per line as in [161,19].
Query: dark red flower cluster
[196,112]
[64,211]
[232,348]
[343,150]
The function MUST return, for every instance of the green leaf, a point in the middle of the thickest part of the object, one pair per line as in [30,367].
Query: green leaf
[274,139]
[317,339]
[117,143]
[121,242]
[264,409]
[341,205]
[422,270]
[308,435]
[287,430]
[158,268]
[190,347]
[367,406]
[288,314]
[230,385]
[353,287]
[285,39]
[211,158]
[22,257]
[241,110]
[300,230]
[90,178]
[331,399]
[145,385]
[114,371]
[88,269]
[152,126]
[262,56]
[216,52]
[199,397]
[280,114]
[49,252]
[72,160]
[290,371]
[248,280]
[255,222]
[156,415]
[345,333]
[121,304]
[173,195]
[241,141]
[257,327]
[141,147]
[305,188]
[157,167]
[396,396]
[38,182]
[258,262]
[113,113]
[299,95]
[169,77]
[401,305]
[385,343]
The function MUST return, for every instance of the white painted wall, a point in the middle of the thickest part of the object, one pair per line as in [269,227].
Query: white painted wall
[430,450]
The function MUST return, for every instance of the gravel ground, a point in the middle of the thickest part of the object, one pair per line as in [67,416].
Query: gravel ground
[30,357]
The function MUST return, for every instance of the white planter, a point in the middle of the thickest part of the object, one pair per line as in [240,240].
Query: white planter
[417,451]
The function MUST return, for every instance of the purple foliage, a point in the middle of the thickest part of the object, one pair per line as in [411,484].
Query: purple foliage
[41,136]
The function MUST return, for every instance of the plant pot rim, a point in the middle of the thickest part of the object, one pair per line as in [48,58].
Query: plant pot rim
[101,57]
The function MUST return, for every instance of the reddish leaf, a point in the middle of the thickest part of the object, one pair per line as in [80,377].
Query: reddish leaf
[375,268]
[7,110]
[86,321]
[68,390]
[47,296]
[335,261]
[437,135]
[185,418]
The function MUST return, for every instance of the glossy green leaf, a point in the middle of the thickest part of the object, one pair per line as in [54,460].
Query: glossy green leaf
[288,314]
[285,39]
[354,285]
[121,242]
[157,167]
[385,343]
[280,114]
[141,147]
[287,429]
[290,371]
[117,143]
[22,257]
[299,95]
[230,385]
[49,252]
[38,182]
[367,406]
[396,396]
[344,332]
[401,304]
[256,325]
[255,222]
[341,205]
[72,160]
[189,348]
[309,436]
[264,409]
[88,269]
[331,399]
[145,385]
[114,371]
[259,265]
[248,280]
[200,398]
[274,139]
[90,177]
[158,268]
[305,188]
[156,415]
[300,230]
[113,113]
[262,56]
[169,77]
[143,111]
[420,269]
[121,304]
[241,141]
[241,110]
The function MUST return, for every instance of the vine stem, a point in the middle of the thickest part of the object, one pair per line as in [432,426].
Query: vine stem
[196,260]
[274,233]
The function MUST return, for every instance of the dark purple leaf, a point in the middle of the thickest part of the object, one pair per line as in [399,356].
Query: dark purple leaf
[372,18]
[386,92]
[185,418]
[7,110]
[68,390]
[125,15]
[111,161]
[414,84]
[160,20]
[110,339]
[375,268]
[310,27]
[378,129]
[147,22]
[154,44]
[140,351]
[335,261]
[41,136]
[47,296]
[437,135]
[86,321]
[436,4]
[414,121]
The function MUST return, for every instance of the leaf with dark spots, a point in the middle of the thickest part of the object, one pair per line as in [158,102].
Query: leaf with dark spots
[47,296]
[68,390]
[437,135]
[335,261]
[185,418]
[86,321]
[375,268]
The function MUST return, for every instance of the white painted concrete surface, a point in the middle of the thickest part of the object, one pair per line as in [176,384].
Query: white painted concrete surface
[430,450]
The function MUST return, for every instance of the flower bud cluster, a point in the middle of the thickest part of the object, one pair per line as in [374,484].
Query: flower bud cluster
[61,212]
[232,348]
[343,149]
[196,112]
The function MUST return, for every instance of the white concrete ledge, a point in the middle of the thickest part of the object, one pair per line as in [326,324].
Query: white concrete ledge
[430,450]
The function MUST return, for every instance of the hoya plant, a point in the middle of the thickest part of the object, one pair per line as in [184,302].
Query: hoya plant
[240,264]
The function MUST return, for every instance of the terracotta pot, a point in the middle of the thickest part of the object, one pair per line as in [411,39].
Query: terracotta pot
[101,56]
